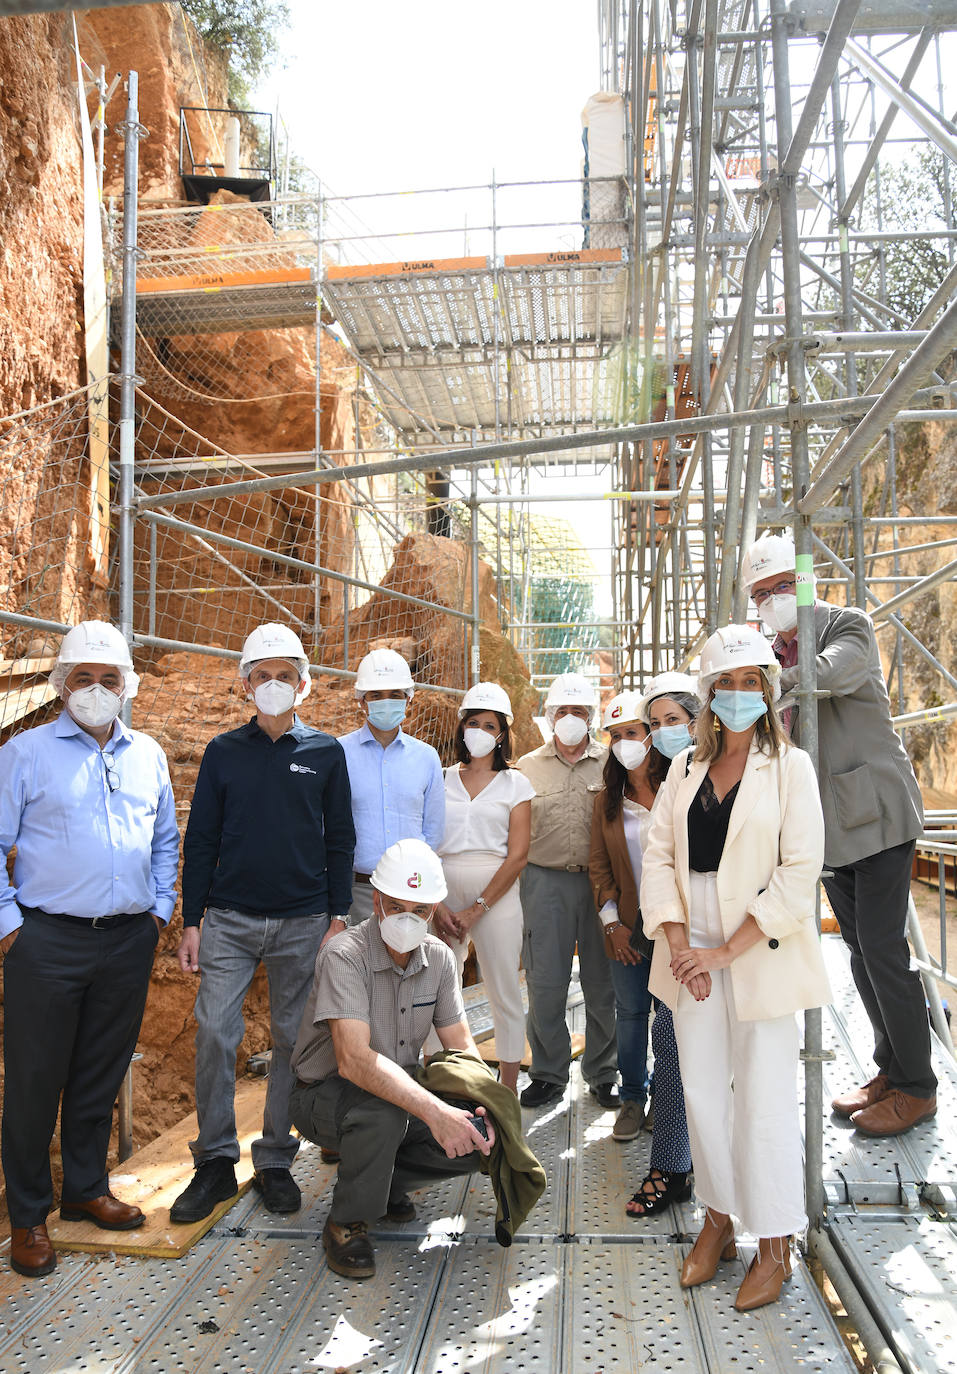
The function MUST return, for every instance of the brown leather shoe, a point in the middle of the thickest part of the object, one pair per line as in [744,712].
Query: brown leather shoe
[107,1212]
[31,1253]
[715,1242]
[348,1249]
[860,1098]
[770,1268]
[894,1114]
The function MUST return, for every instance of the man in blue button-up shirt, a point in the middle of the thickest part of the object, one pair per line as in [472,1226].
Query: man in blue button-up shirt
[398,790]
[89,806]
[267,858]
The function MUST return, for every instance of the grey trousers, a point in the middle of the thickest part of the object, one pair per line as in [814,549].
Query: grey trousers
[361,908]
[384,1152]
[559,913]
[232,946]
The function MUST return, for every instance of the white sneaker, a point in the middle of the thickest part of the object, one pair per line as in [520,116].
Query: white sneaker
[628,1121]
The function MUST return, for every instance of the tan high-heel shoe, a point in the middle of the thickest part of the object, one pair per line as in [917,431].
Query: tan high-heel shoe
[715,1242]
[769,1269]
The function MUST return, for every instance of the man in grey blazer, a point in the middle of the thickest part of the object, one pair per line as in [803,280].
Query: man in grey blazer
[872,815]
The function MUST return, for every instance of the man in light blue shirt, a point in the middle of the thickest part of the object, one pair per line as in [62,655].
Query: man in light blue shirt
[398,789]
[89,806]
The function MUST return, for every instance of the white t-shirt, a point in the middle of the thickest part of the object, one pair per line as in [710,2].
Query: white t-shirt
[481,824]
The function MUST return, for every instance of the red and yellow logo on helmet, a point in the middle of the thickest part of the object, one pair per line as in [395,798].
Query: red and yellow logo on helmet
[415,880]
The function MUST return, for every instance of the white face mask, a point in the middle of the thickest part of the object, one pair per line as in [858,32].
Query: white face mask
[479,742]
[630,753]
[780,612]
[274,698]
[403,931]
[95,706]
[571,730]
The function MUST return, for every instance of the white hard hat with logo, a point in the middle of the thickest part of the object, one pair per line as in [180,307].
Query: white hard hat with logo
[410,871]
[665,685]
[768,556]
[276,641]
[383,670]
[487,696]
[737,646]
[272,641]
[621,710]
[569,689]
[94,641]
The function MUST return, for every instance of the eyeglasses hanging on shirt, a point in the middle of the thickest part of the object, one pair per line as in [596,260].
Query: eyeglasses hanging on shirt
[112,776]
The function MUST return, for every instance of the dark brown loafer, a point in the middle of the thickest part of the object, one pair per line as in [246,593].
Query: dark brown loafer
[31,1253]
[861,1098]
[894,1114]
[107,1212]
[348,1249]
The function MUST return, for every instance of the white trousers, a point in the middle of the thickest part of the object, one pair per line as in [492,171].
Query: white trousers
[740,1082]
[497,937]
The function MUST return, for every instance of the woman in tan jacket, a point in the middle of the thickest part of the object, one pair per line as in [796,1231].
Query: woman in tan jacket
[728,895]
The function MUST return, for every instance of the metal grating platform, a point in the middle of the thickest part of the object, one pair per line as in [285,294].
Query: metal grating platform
[435,336]
[583,1289]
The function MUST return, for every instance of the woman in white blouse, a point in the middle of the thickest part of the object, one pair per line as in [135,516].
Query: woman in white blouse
[488,816]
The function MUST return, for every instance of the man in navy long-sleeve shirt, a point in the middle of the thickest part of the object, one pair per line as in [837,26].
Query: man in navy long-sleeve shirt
[267,858]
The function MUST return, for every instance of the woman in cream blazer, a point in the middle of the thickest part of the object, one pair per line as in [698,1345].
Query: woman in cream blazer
[728,896]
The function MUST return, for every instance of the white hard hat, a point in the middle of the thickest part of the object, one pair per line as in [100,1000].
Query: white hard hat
[410,871]
[768,556]
[273,641]
[621,710]
[94,641]
[487,696]
[737,646]
[665,685]
[381,671]
[570,689]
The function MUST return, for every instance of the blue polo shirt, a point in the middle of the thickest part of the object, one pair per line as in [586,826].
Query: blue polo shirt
[270,829]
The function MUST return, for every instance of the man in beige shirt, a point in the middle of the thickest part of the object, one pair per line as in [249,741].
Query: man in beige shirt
[557,902]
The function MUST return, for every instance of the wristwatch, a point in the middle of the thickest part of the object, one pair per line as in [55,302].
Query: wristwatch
[480,901]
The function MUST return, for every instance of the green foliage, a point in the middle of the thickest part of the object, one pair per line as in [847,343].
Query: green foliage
[913,197]
[244,31]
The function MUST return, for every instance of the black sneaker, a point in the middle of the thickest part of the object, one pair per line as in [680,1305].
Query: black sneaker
[214,1181]
[348,1249]
[606,1094]
[539,1093]
[279,1190]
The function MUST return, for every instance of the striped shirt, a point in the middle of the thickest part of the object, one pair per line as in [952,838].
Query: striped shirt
[357,980]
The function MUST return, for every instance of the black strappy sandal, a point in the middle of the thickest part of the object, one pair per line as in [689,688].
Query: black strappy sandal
[658,1190]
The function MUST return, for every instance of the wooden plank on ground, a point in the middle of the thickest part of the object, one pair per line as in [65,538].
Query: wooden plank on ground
[487,1050]
[154,1176]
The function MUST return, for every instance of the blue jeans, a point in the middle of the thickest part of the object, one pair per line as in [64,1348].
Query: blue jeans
[632,1005]
[232,946]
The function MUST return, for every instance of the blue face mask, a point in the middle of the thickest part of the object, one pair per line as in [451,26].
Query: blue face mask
[386,715]
[739,710]
[671,739]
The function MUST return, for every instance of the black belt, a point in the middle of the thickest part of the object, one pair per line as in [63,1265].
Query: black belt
[122,918]
[362,877]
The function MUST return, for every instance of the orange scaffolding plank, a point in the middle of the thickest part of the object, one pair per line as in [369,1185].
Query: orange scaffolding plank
[400,269]
[223,281]
[583,255]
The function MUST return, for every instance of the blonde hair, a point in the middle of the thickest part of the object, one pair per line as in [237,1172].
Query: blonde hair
[709,736]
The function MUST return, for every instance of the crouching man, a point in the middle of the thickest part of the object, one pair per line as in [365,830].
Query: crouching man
[379,989]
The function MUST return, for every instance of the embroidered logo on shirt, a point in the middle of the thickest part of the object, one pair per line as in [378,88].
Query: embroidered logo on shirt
[415,880]
[301,768]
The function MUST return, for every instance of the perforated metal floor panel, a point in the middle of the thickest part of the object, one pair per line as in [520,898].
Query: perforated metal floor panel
[874,1169]
[583,1289]
[907,1269]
